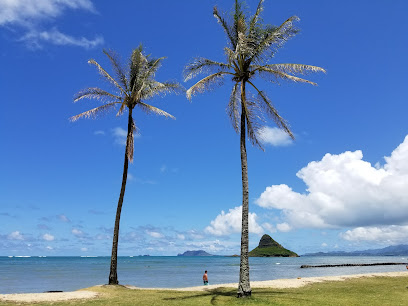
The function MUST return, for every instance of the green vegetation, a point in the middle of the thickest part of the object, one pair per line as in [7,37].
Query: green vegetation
[363,291]
[270,248]
[272,252]
[251,46]
[134,86]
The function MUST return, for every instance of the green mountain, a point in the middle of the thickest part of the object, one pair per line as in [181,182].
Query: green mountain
[270,248]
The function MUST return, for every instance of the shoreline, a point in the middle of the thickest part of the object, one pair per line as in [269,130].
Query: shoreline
[277,283]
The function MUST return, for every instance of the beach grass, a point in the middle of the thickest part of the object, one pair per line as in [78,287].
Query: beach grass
[360,291]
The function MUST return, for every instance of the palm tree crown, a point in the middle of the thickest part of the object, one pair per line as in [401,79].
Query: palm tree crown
[251,46]
[132,88]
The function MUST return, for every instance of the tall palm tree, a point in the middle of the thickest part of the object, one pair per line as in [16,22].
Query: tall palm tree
[133,88]
[251,46]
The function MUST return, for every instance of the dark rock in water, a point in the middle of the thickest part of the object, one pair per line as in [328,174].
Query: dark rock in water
[53,291]
[270,248]
[195,253]
[356,265]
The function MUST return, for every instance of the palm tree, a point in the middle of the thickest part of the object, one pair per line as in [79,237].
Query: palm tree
[133,88]
[251,45]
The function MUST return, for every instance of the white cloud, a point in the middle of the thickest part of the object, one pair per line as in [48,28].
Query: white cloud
[63,218]
[120,135]
[15,236]
[283,227]
[274,136]
[35,38]
[24,11]
[181,236]
[49,248]
[48,237]
[228,223]
[324,244]
[269,227]
[77,232]
[393,234]
[99,132]
[345,191]
[154,234]
[84,249]
[30,14]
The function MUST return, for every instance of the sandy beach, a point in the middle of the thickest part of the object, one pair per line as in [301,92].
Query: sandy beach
[277,283]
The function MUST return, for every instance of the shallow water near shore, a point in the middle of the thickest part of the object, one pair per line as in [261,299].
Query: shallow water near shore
[39,274]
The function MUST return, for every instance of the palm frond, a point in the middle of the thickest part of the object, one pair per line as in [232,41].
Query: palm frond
[233,108]
[136,64]
[157,88]
[255,18]
[122,108]
[274,38]
[252,122]
[225,26]
[95,93]
[206,83]
[106,74]
[151,109]
[294,68]
[117,67]
[272,111]
[200,65]
[282,75]
[92,113]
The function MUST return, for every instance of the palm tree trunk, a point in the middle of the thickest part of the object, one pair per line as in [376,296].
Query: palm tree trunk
[113,275]
[244,287]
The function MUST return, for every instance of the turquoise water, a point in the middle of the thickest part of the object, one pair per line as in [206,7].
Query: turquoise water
[39,274]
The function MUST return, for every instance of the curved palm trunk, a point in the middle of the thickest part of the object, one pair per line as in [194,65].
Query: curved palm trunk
[244,287]
[113,275]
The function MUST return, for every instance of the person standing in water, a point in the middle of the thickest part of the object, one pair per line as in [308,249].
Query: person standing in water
[205,278]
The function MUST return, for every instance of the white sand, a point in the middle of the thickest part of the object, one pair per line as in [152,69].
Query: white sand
[48,297]
[281,283]
[277,283]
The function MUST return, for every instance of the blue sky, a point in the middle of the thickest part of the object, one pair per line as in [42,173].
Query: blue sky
[341,185]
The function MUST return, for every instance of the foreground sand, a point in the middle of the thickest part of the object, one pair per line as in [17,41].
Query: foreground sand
[277,283]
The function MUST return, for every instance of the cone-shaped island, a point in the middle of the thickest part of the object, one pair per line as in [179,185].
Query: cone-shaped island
[270,248]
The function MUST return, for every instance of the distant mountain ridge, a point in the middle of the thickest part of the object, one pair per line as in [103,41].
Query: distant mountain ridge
[195,253]
[394,250]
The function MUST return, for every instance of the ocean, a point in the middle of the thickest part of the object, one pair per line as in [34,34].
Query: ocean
[39,274]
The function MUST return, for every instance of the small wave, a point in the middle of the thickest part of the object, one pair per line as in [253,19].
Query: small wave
[278,263]
[23,256]
[89,256]
[10,256]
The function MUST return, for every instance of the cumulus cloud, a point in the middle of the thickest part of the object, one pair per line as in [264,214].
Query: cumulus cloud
[228,223]
[30,14]
[274,136]
[63,218]
[393,234]
[154,234]
[77,232]
[15,236]
[48,237]
[283,227]
[345,191]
